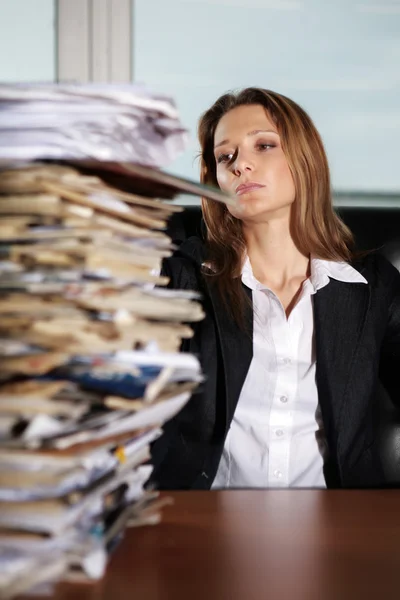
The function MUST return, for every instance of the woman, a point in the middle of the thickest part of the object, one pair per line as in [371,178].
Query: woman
[299,334]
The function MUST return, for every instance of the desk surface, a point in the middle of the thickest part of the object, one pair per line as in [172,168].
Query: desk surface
[259,545]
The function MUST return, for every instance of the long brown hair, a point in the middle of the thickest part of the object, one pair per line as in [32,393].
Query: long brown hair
[315,227]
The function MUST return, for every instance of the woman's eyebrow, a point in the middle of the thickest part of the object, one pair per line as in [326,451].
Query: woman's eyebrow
[255,132]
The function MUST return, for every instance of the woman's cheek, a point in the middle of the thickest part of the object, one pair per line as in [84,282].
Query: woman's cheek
[222,180]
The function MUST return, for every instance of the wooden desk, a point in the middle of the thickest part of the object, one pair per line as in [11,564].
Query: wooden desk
[266,545]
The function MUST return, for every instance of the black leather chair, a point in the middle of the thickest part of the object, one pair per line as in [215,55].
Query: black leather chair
[373,228]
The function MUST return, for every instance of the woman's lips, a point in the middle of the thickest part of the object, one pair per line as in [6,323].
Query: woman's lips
[244,188]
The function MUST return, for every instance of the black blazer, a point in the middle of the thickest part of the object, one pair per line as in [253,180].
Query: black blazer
[357,334]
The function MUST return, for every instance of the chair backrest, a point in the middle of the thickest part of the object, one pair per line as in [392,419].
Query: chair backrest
[373,228]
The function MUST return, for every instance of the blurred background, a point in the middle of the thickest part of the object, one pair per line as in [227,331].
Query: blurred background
[340,60]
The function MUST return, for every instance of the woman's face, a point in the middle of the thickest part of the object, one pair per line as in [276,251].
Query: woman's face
[251,164]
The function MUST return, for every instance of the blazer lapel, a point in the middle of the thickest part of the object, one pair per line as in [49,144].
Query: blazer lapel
[340,311]
[236,348]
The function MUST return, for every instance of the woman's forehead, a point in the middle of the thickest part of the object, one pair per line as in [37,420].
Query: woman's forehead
[243,120]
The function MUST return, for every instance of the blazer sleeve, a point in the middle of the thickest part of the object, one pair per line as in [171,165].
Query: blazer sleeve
[180,272]
[390,350]
[172,268]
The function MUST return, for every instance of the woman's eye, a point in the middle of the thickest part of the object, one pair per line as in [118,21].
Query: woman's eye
[224,158]
[265,146]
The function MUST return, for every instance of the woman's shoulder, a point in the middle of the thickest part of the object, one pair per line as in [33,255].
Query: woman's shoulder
[184,267]
[377,270]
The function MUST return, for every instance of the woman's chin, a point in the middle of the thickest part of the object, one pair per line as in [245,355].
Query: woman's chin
[249,207]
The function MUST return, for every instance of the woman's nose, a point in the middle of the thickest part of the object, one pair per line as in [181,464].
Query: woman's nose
[242,164]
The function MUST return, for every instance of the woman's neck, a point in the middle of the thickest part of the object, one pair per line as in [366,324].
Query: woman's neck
[274,257]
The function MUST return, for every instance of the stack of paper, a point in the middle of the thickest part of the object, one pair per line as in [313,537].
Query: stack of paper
[113,123]
[90,367]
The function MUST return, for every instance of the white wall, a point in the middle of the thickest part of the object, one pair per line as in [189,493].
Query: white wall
[339,59]
[27,40]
